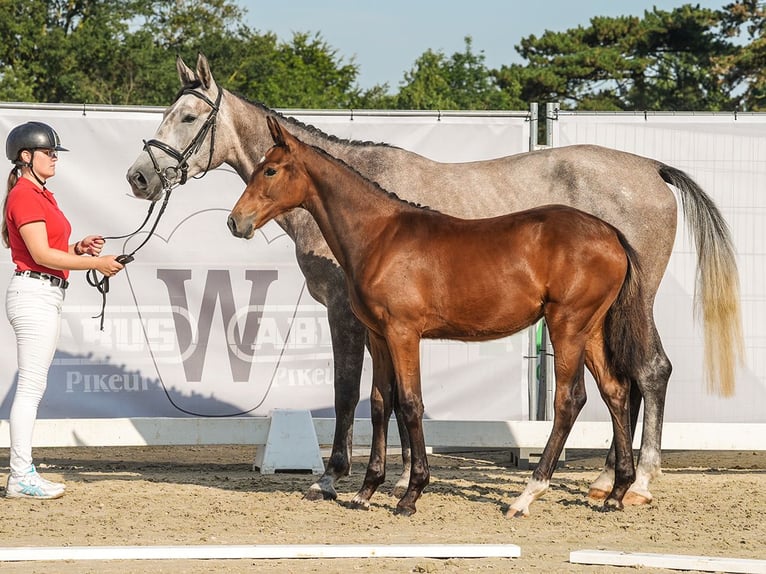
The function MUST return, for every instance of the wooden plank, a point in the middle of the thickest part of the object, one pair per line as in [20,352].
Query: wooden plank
[267,551]
[669,561]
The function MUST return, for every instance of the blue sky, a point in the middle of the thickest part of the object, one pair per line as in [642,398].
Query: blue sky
[386,37]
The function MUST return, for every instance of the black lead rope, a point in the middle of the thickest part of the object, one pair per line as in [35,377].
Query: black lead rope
[102,284]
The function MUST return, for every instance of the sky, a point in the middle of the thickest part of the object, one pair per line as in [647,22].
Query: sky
[386,37]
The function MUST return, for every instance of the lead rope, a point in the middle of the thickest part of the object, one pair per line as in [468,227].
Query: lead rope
[102,284]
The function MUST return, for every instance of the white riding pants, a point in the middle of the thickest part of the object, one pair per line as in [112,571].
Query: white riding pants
[34,311]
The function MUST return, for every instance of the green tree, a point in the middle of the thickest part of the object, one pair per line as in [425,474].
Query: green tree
[665,60]
[746,66]
[459,82]
[304,73]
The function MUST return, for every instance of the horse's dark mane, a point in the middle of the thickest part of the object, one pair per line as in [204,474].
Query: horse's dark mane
[317,132]
[307,127]
[193,85]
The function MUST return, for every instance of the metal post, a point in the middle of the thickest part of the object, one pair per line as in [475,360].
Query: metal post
[533,369]
[532,126]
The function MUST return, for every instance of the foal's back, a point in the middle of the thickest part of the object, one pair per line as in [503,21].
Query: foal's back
[487,278]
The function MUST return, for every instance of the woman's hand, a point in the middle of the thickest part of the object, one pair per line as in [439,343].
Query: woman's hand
[91,245]
[107,265]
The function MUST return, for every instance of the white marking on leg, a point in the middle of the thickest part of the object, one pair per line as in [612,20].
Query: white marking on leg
[534,490]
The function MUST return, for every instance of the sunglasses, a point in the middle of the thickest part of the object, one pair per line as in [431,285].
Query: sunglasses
[51,153]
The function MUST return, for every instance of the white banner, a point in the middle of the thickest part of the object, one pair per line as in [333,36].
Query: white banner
[204,324]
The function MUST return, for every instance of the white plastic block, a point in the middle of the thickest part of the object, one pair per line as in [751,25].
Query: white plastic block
[291,444]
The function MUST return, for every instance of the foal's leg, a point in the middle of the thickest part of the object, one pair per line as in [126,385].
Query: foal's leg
[405,354]
[348,341]
[381,404]
[652,383]
[568,402]
[404,479]
[602,486]
[616,395]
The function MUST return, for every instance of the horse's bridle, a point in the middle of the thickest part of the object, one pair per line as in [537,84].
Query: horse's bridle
[182,157]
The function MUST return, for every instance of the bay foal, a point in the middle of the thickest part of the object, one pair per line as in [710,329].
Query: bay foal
[413,273]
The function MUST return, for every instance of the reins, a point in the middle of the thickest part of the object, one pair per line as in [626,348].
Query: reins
[102,285]
[182,158]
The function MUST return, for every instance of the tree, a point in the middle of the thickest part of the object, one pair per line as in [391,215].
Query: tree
[461,82]
[305,73]
[746,66]
[667,60]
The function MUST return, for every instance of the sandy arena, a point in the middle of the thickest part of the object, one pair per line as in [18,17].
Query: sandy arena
[706,503]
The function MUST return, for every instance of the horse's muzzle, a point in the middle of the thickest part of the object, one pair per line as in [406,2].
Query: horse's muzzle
[237,231]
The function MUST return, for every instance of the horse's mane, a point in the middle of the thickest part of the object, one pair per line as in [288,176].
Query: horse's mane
[317,132]
[373,184]
[313,130]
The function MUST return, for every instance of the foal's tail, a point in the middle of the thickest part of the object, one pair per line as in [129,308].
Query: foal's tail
[716,295]
[626,330]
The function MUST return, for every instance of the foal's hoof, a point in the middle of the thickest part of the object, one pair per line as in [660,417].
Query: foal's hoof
[634,498]
[317,492]
[515,513]
[405,510]
[360,504]
[610,505]
[400,489]
[597,494]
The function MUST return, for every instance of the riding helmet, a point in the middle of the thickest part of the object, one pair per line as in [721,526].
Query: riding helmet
[31,135]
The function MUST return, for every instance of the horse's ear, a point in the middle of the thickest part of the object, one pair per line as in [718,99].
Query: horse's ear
[185,73]
[203,71]
[276,131]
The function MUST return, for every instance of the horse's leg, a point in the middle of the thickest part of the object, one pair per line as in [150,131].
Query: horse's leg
[404,479]
[616,395]
[348,338]
[405,354]
[651,383]
[381,404]
[602,486]
[568,402]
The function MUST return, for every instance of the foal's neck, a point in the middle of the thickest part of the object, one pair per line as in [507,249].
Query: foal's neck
[352,212]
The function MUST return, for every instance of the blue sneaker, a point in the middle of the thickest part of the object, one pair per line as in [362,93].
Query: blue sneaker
[32,485]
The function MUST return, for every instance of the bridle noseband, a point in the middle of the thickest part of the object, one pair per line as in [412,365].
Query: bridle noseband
[182,157]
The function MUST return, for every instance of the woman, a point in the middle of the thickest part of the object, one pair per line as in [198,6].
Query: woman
[37,233]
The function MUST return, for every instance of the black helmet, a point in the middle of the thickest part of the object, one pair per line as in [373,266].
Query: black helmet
[31,135]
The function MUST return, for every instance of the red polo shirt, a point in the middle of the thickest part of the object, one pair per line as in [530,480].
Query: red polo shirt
[28,203]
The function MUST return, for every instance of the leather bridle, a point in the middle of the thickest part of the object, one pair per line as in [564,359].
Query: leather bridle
[182,157]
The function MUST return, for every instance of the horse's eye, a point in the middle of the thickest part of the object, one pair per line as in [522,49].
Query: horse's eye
[188,119]
[270,171]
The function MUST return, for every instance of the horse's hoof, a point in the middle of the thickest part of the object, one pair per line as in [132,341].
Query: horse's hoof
[359,504]
[597,494]
[316,493]
[516,513]
[405,510]
[611,504]
[633,498]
